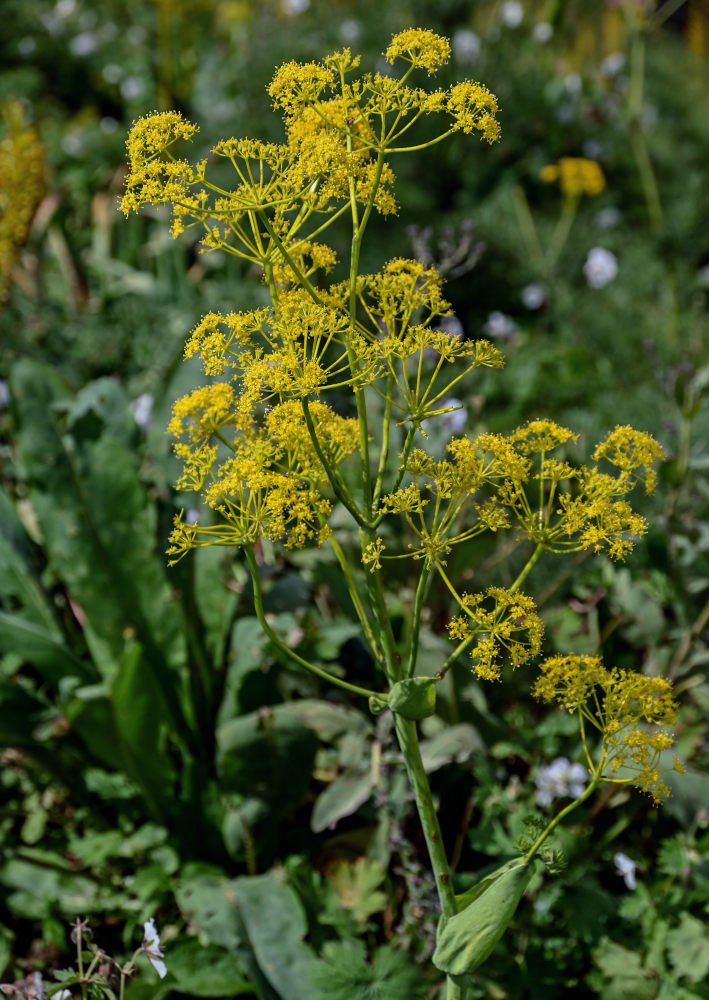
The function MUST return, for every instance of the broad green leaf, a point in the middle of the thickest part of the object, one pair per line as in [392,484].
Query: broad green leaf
[342,797]
[466,940]
[141,723]
[19,586]
[454,743]
[205,971]
[623,968]
[276,925]
[267,753]
[688,949]
[97,524]
[207,900]
[40,649]
[414,698]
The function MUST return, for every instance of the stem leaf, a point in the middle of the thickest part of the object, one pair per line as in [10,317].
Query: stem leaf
[467,939]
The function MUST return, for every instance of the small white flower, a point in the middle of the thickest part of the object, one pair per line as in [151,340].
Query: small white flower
[192,516]
[613,64]
[542,32]
[601,267]
[350,31]
[573,84]
[512,13]
[560,780]
[294,7]
[152,948]
[132,87]
[592,149]
[142,408]
[534,296]
[465,45]
[65,8]
[607,218]
[83,44]
[499,326]
[112,73]
[626,868]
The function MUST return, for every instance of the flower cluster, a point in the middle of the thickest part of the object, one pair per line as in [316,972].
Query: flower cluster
[495,481]
[21,186]
[339,133]
[622,706]
[507,628]
[576,176]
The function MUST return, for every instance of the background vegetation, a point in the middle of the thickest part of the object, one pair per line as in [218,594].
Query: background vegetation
[157,758]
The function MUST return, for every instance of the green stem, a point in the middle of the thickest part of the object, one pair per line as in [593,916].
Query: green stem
[561,234]
[531,562]
[289,260]
[559,816]
[424,579]
[338,486]
[353,590]
[384,454]
[409,743]
[281,646]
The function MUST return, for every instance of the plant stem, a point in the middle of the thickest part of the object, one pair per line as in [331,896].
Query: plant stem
[416,624]
[281,646]
[338,486]
[559,816]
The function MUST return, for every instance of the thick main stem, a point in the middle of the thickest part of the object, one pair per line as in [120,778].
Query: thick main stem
[408,741]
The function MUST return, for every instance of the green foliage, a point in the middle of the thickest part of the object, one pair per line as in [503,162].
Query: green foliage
[119,681]
[347,975]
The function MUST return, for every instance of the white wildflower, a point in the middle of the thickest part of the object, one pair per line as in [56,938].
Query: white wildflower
[499,326]
[626,868]
[601,267]
[512,13]
[560,780]
[465,45]
[142,408]
[542,32]
[152,948]
[534,295]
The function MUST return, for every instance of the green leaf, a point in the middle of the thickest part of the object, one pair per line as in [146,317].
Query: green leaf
[141,723]
[97,524]
[358,887]
[624,970]
[207,900]
[276,925]
[414,698]
[205,971]
[466,940]
[346,974]
[40,649]
[688,949]
[341,798]
[19,586]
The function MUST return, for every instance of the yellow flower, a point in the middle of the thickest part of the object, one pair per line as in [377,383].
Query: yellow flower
[511,629]
[620,705]
[421,48]
[473,107]
[21,186]
[576,176]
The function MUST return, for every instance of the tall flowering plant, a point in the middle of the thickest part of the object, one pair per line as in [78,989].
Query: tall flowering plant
[273,444]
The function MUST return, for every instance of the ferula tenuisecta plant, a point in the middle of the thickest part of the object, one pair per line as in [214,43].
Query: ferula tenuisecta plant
[319,399]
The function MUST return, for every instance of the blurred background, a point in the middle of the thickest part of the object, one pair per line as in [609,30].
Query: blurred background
[140,774]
